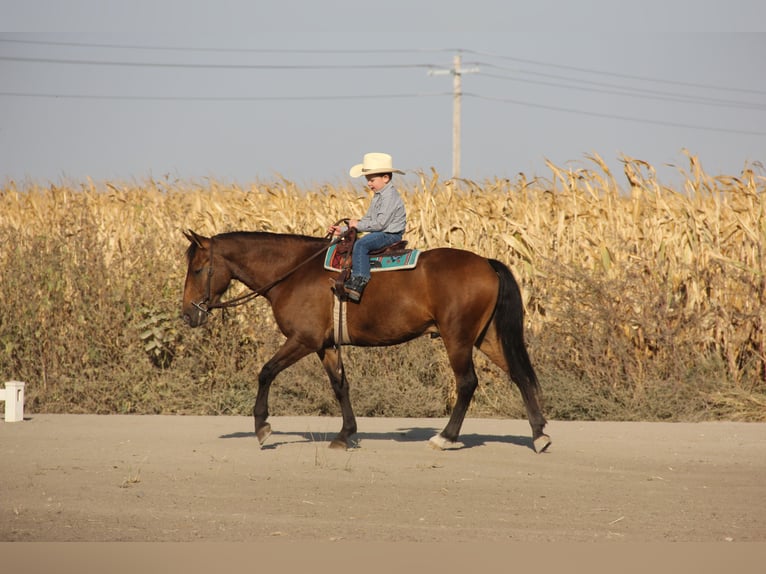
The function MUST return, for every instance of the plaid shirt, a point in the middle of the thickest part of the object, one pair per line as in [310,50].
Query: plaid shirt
[386,212]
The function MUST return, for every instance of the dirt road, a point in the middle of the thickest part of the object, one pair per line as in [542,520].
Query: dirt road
[165,478]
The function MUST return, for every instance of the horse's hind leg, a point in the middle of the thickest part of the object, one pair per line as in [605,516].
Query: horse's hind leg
[530,394]
[337,374]
[466,381]
[525,381]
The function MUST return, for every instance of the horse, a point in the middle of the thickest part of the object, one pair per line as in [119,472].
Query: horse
[465,299]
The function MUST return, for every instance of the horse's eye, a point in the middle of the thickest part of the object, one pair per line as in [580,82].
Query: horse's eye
[198,271]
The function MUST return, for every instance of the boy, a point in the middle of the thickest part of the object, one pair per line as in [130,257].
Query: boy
[384,222]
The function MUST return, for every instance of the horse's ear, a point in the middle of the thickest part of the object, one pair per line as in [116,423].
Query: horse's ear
[193,237]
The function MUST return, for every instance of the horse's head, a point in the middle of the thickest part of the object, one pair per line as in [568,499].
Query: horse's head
[205,282]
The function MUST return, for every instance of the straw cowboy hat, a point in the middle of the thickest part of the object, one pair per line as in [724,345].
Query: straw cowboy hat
[374,163]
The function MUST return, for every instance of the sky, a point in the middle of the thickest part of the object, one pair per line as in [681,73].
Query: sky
[254,91]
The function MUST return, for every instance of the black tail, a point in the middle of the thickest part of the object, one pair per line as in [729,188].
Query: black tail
[509,322]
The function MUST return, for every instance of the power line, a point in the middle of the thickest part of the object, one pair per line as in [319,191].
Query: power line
[118,63]
[232,50]
[385,51]
[631,92]
[620,75]
[376,96]
[614,89]
[615,116]
[623,91]
[221,98]
[354,52]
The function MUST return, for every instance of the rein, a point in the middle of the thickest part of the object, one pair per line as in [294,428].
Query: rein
[247,297]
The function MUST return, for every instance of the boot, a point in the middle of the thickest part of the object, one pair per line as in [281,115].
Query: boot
[355,287]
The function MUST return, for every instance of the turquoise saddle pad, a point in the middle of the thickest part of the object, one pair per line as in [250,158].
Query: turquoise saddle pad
[407,259]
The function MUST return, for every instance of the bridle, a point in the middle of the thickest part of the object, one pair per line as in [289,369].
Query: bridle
[204,304]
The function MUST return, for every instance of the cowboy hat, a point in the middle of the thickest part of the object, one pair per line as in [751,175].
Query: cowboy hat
[374,163]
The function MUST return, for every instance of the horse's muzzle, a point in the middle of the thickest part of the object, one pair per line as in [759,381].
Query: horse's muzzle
[195,316]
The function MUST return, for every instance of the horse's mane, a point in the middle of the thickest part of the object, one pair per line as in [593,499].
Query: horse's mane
[270,235]
[281,237]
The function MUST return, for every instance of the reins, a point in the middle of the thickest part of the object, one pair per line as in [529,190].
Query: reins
[247,297]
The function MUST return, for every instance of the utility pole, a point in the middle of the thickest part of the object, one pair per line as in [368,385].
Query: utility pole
[457,94]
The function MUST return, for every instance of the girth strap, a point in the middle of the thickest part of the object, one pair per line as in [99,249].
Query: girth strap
[340,325]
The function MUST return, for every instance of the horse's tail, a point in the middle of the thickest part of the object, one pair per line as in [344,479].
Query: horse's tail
[509,323]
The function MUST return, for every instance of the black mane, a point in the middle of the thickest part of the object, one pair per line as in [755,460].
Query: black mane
[269,235]
[192,249]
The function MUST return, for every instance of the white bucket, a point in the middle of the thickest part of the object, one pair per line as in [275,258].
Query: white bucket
[13,395]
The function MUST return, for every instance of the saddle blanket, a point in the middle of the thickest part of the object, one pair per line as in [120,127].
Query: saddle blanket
[407,259]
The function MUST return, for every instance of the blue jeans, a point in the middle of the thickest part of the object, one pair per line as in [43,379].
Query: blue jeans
[360,260]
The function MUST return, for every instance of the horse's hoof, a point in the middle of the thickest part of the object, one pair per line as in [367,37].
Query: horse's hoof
[339,444]
[263,433]
[438,442]
[542,443]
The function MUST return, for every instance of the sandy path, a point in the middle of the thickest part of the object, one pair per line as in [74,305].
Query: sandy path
[165,478]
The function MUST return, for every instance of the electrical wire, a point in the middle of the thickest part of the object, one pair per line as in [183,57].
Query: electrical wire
[619,74]
[223,98]
[582,84]
[642,93]
[123,63]
[615,116]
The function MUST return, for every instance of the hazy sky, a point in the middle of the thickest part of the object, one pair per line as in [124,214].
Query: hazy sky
[250,91]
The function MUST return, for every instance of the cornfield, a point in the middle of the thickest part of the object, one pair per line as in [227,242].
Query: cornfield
[643,302]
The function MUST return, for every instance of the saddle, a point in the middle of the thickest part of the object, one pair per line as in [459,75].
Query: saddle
[397,248]
[340,258]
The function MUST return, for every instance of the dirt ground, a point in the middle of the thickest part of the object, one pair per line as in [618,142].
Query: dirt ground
[166,478]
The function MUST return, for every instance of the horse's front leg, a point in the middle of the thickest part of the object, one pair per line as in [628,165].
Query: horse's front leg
[337,374]
[288,354]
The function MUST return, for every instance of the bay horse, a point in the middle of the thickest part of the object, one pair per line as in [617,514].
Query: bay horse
[469,300]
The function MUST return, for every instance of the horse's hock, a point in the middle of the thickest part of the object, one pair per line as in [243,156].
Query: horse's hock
[13,395]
